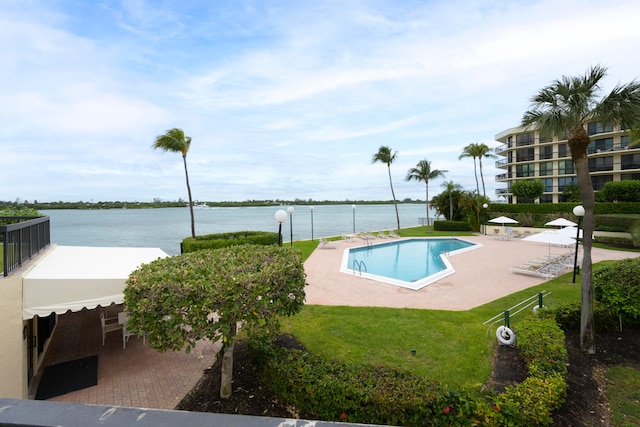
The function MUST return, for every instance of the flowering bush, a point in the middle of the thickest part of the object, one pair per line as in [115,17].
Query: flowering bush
[177,300]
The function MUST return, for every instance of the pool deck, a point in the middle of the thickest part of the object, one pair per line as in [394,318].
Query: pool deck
[481,275]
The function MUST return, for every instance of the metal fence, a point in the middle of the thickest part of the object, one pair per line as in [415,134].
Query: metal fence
[21,238]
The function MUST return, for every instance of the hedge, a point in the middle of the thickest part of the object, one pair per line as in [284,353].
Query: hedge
[222,240]
[327,390]
[451,226]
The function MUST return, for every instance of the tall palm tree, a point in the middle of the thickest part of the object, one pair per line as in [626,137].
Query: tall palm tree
[478,151]
[176,142]
[423,172]
[449,188]
[385,156]
[568,104]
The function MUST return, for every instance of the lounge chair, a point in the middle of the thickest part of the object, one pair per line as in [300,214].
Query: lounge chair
[326,244]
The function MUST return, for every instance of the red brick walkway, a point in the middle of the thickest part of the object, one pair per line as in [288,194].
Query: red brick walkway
[136,376]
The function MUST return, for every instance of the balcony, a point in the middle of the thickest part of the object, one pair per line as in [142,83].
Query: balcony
[21,238]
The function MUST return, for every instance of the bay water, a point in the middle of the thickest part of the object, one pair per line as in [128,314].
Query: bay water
[165,228]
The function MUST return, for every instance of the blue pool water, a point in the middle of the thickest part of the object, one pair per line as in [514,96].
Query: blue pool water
[411,263]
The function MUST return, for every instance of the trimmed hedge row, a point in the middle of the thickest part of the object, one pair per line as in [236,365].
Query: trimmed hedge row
[451,226]
[601,208]
[223,240]
[330,391]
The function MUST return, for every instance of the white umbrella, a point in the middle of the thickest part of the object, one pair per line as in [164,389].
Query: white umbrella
[503,220]
[561,222]
[551,237]
[571,232]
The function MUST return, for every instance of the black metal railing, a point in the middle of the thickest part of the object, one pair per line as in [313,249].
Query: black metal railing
[21,238]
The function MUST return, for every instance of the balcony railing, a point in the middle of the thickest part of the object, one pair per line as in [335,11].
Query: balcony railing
[21,238]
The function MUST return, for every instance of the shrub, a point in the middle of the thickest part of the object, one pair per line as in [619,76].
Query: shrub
[451,226]
[617,287]
[541,343]
[223,240]
[532,402]
[619,242]
[621,191]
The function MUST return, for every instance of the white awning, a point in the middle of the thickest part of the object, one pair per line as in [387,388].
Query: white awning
[73,278]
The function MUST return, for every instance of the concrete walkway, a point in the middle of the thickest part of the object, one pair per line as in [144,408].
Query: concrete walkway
[482,275]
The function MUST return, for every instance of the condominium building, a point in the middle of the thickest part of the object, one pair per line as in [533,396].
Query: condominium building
[529,155]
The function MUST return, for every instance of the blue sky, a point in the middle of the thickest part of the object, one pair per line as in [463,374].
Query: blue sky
[283,99]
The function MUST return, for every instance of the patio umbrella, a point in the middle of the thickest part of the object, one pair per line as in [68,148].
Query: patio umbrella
[571,232]
[503,220]
[551,237]
[561,222]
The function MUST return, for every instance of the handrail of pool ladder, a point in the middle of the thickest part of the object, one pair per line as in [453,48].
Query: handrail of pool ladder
[360,265]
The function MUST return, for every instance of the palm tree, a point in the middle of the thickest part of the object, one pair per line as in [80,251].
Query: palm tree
[385,156]
[449,188]
[175,141]
[566,105]
[423,172]
[478,151]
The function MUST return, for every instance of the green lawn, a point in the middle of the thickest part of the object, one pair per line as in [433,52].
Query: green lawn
[623,390]
[451,346]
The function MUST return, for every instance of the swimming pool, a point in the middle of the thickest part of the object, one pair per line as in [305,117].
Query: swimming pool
[410,263]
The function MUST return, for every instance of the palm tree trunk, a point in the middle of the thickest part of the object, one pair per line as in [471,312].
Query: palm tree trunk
[484,191]
[426,195]
[193,224]
[393,194]
[475,172]
[578,145]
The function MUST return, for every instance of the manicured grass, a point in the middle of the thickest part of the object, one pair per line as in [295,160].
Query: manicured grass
[453,347]
[623,390]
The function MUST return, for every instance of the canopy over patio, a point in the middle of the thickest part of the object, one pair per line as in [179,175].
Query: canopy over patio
[74,277]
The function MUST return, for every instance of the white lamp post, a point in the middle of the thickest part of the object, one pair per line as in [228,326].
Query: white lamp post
[281,216]
[354,218]
[290,210]
[311,210]
[579,212]
[485,206]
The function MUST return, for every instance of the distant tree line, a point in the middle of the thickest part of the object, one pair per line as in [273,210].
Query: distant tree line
[182,203]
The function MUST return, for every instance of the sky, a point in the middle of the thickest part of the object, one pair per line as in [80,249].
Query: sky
[283,100]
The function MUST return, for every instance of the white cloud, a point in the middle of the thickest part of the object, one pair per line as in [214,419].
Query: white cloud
[282,99]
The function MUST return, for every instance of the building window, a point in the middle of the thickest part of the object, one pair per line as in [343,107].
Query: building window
[546,168]
[599,181]
[625,140]
[629,176]
[563,136]
[598,127]
[630,161]
[548,184]
[563,182]
[599,145]
[565,167]
[524,139]
[563,150]
[545,138]
[546,152]
[546,198]
[525,155]
[527,170]
[601,164]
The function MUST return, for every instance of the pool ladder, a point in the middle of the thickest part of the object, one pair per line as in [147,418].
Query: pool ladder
[359,265]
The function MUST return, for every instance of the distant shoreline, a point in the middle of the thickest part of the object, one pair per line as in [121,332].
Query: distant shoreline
[198,205]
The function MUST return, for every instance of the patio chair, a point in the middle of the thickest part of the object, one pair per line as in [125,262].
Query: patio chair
[108,326]
[324,244]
